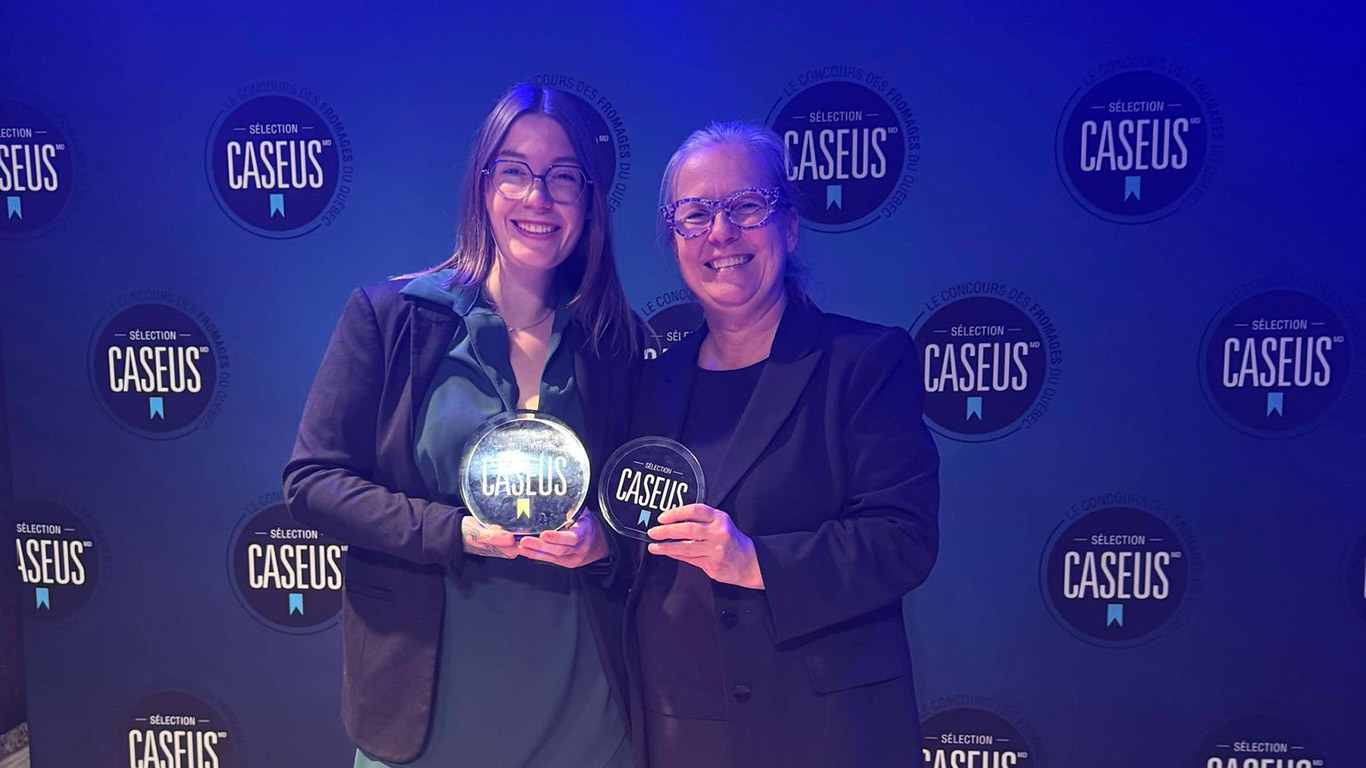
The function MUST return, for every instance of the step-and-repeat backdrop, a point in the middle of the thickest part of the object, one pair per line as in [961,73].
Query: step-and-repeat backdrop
[1128,240]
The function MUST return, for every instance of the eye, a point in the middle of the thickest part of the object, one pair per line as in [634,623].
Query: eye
[515,171]
[745,206]
[694,215]
[568,175]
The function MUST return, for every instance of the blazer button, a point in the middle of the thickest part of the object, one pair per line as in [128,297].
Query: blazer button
[728,618]
[741,693]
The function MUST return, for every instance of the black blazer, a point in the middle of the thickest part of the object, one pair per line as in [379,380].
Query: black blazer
[833,473]
[353,476]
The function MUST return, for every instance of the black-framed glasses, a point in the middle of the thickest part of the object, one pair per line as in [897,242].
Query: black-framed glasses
[749,208]
[512,179]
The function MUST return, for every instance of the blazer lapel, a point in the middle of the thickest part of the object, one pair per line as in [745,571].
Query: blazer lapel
[663,401]
[791,362]
[593,389]
[431,333]
[660,407]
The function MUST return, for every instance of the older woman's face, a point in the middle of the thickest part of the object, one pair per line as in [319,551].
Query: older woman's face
[535,233]
[732,270]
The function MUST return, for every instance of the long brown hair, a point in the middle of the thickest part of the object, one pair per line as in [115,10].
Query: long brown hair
[589,273]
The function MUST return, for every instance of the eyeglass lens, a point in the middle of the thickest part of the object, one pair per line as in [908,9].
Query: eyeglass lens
[513,178]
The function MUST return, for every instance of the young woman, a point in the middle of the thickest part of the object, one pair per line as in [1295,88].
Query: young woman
[464,646]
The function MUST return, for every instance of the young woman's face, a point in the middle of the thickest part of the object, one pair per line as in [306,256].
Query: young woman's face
[534,233]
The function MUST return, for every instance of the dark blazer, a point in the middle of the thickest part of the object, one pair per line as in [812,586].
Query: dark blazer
[833,474]
[352,475]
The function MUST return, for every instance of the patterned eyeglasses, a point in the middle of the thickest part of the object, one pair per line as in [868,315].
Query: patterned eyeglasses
[749,208]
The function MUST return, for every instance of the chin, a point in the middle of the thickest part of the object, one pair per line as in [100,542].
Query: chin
[529,259]
[732,292]
[726,299]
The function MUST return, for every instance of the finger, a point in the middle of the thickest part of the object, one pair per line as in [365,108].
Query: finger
[493,538]
[690,531]
[547,557]
[697,513]
[484,550]
[567,537]
[486,537]
[680,550]
[534,544]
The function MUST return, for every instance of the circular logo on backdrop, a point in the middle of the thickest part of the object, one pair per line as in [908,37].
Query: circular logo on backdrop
[279,160]
[609,132]
[1259,742]
[1274,363]
[59,559]
[1119,570]
[173,728]
[1138,140]
[158,365]
[853,146]
[37,172]
[671,317]
[973,736]
[288,576]
[991,358]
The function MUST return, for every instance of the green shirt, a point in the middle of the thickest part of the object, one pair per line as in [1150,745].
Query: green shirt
[519,680]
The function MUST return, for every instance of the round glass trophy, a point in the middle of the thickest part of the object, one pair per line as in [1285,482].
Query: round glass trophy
[645,477]
[524,472]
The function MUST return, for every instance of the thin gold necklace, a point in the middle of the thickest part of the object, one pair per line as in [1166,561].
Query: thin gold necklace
[494,306]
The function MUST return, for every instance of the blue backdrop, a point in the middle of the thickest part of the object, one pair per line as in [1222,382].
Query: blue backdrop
[1149,558]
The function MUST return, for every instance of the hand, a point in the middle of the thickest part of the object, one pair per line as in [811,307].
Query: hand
[710,541]
[579,544]
[486,541]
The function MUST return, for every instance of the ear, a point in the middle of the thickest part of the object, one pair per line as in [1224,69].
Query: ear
[793,225]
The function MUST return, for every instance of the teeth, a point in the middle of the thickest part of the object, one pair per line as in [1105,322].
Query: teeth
[729,261]
[535,229]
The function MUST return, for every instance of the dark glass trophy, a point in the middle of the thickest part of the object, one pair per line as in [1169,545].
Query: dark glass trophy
[524,472]
[645,477]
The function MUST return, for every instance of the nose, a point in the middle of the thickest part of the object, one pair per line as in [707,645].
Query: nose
[538,195]
[723,230]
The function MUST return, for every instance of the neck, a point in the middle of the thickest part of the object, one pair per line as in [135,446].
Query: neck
[521,296]
[741,338]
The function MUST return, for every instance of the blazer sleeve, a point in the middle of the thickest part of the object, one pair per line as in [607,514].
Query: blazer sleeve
[624,372]
[329,482]
[885,538]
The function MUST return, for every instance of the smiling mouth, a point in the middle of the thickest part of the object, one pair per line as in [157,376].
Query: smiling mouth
[730,262]
[535,228]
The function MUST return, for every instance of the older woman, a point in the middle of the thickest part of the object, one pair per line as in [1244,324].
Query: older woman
[765,627]
[464,646]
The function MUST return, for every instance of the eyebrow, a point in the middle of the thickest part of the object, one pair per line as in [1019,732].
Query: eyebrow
[519,156]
